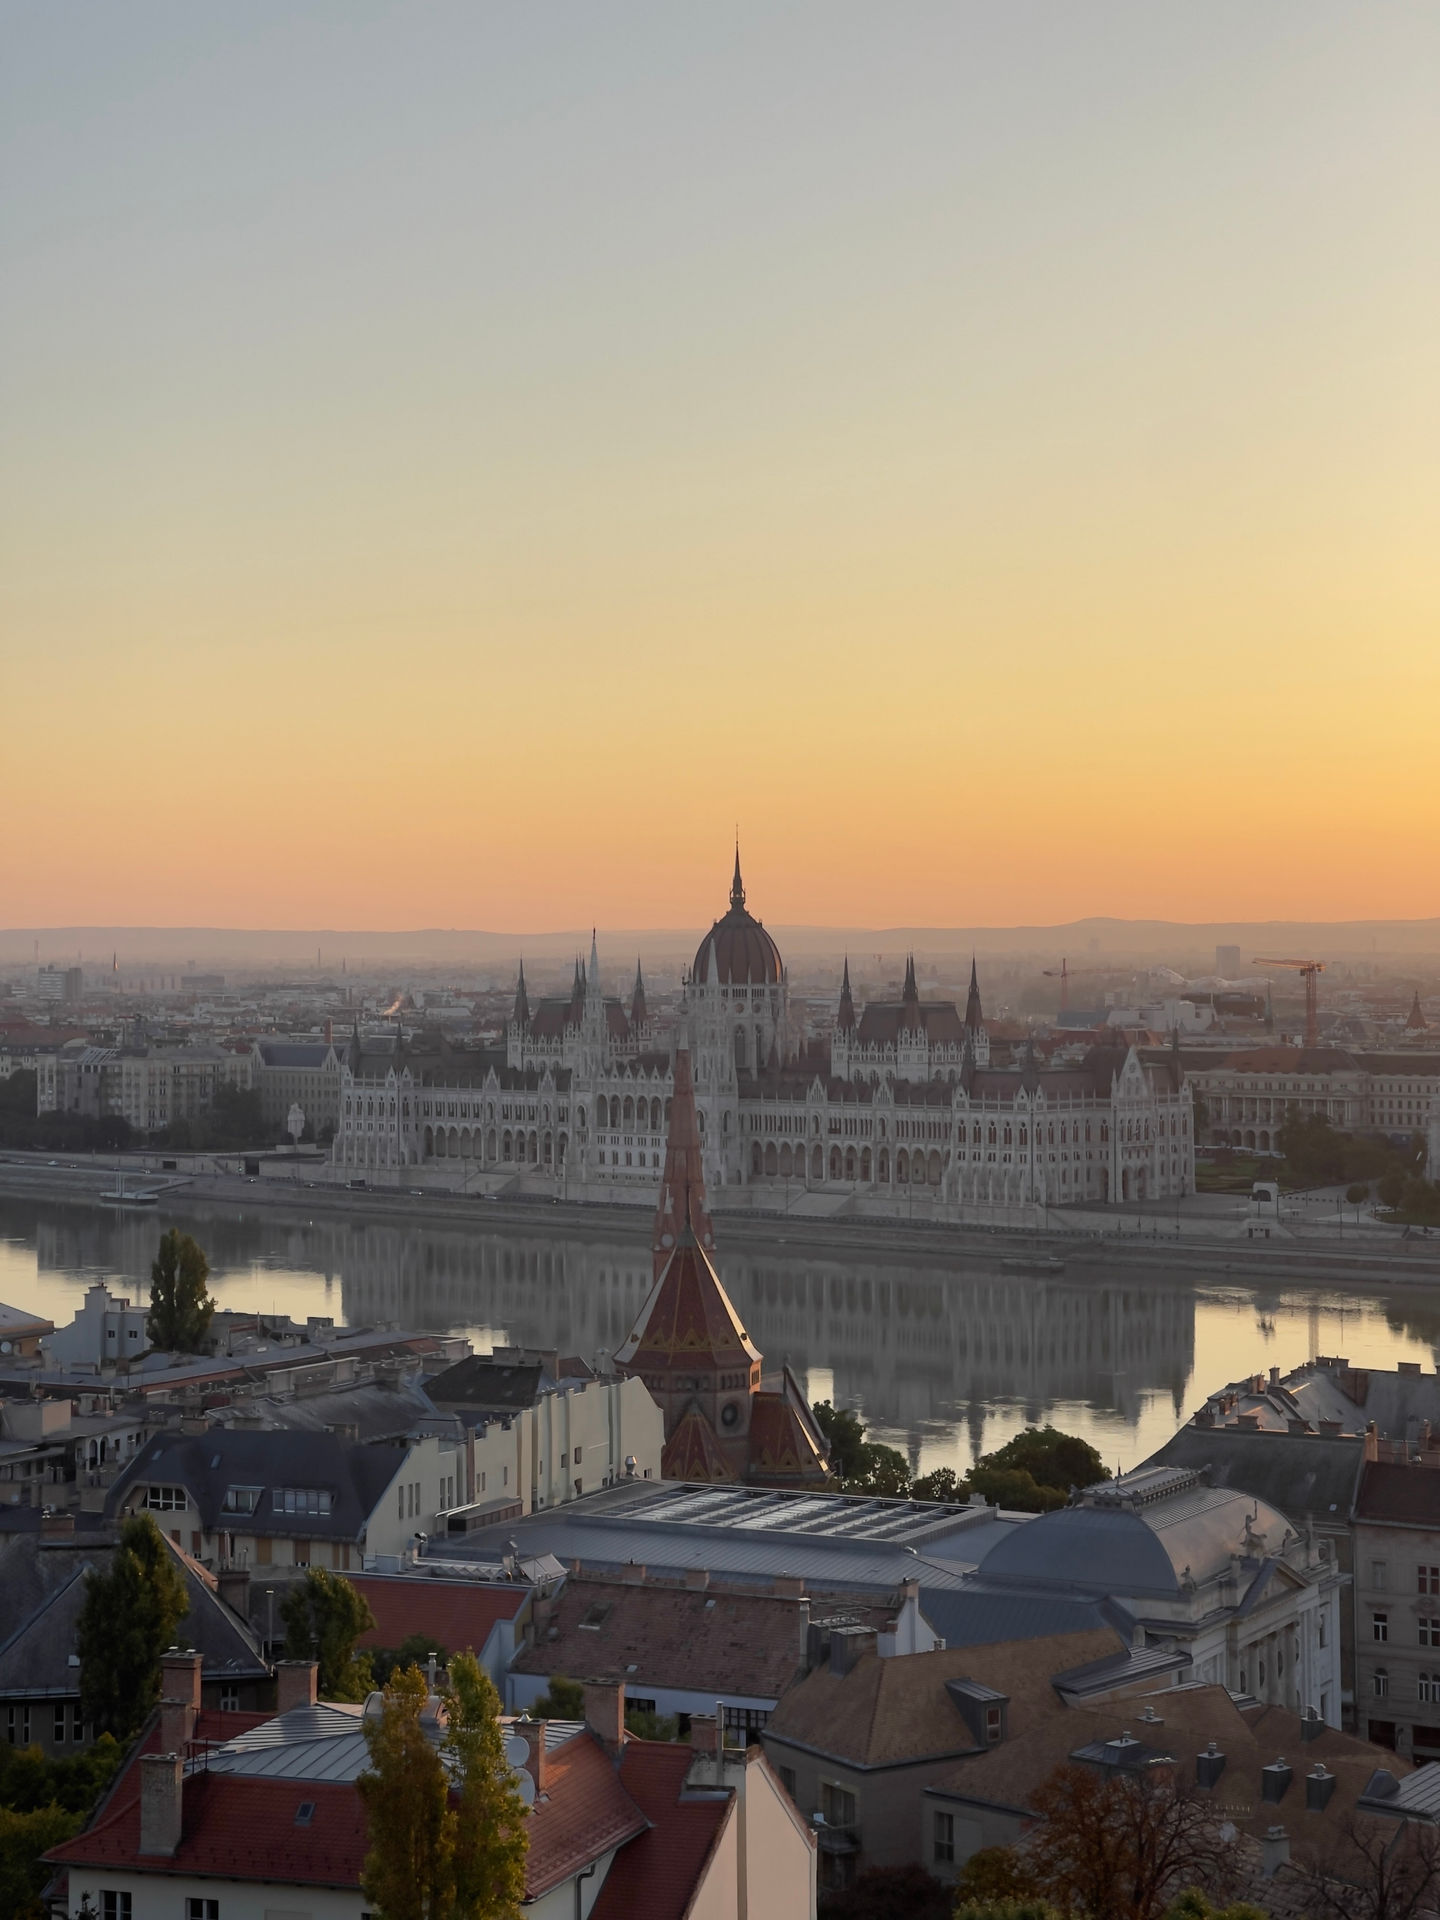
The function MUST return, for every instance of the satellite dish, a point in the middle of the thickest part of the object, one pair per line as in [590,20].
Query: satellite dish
[4,1346]
[525,1787]
[517,1750]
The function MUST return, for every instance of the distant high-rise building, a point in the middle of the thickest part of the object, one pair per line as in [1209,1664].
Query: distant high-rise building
[1227,962]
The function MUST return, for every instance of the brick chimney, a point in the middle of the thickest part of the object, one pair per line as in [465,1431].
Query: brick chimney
[697,1577]
[162,1780]
[704,1733]
[605,1711]
[537,1762]
[56,1526]
[295,1684]
[179,1682]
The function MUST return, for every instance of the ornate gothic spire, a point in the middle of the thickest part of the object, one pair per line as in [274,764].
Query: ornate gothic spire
[974,1018]
[682,1206]
[910,991]
[521,1015]
[846,1018]
[637,1000]
[737,885]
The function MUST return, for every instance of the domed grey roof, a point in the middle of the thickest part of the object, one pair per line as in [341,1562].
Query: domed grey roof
[742,952]
[1140,1536]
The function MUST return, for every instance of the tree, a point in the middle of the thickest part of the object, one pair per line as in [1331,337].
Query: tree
[1051,1458]
[24,1839]
[409,1868]
[889,1893]
[128,1619]
[844,1437]
[446,1823]
[1010,1487]
[1391,1187]
[994,1874]
[413,1651]
[883,1472]
[490,1842]
[1119,1848]
[324,1616]
[180,1305]
[1192,1905]
[564,1701]
[1007,1910]
[942,1484]
[1373,1870]
[30,1781]
[645,1724]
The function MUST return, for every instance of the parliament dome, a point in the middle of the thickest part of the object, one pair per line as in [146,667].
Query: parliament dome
[737,951]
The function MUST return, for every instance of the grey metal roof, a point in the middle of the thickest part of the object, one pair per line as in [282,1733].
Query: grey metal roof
[207,1464]
[294,1053]
[39,1659]
[1301,1475]
[974,1616]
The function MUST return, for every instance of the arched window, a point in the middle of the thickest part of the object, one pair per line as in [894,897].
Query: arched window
[628,1113]
[865,1163]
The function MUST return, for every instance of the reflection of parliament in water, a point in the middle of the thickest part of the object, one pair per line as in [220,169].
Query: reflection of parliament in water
[910,1346]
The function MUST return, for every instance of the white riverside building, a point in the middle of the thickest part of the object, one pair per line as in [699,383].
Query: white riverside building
[898,1111]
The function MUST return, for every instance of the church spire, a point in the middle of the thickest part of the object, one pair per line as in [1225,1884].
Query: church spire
[682,1190]
[521,1015]
[910,990]
[737,885]
[974,1018]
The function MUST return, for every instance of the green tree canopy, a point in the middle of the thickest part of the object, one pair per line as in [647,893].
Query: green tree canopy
[181,1308]
[1051,1458]
[324,1616]
[844,1438]
[128,1620]
[565,1700]
[24,1838]
[413,1651]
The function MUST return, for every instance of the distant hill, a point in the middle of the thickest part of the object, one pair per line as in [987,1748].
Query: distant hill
[1078,940]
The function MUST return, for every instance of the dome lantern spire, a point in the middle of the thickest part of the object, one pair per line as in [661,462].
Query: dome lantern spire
[737,885]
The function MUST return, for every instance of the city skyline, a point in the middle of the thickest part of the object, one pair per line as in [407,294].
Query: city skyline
[453,475]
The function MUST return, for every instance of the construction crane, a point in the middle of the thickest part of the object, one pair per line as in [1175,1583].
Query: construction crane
[1309,968]
[1065,973]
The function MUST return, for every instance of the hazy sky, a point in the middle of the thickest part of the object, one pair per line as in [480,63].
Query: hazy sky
[458,460]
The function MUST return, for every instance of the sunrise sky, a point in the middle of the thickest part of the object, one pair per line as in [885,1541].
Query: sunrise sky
[457,461]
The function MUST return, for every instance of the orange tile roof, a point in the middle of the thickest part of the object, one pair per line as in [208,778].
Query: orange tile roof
[584,1812]
[460,1614]
[659,1874]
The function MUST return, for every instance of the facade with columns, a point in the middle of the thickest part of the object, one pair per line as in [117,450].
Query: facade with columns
[900,1105]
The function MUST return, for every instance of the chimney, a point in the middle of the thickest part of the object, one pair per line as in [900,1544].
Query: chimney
[329,1031]
[633,1573]
[1372,1441]
[56,1526]
[849,1644]
[180,1678]
[1275,1782]
[1319,1785]
[1204,1418]
[605,1712]
[697,1577]
[1209,1766]
[1311,1725]
[162,1780]
[1295,1425]
[1274,1851]
[1330,1429]
[1274,1376]
[787,1586]
[537,1761]
[704,1733]
[234,1586]
[295,1684]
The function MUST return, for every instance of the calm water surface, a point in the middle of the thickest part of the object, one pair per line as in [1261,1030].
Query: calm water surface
[944,1359]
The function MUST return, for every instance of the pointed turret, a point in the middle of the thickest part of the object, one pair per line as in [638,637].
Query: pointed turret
[637,999]
[974,1018]
[737,885]
[910,991]
[682,1190]
[845,1020]
[577,995]
[521,1014]
[594,963]
[1416,1023]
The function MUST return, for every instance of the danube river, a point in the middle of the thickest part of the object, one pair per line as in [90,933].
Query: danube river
[944,1359]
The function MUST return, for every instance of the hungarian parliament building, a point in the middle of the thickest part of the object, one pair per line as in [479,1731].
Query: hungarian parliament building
[899,1109]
